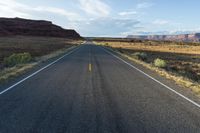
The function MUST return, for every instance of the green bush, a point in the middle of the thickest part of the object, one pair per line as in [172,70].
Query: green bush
[140,56]
[106,44]
[160,63]
[15,59]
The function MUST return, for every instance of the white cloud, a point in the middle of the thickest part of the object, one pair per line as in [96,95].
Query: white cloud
[144,5]
[160,22]
[106,26]
[126,13]
[58,11]
[95,7]
[185,31]
[96,19]
[12,8]
[173,32]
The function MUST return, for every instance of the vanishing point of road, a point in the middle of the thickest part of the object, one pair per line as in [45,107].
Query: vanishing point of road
[92,91]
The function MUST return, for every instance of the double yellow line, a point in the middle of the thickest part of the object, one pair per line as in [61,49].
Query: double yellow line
[90,67]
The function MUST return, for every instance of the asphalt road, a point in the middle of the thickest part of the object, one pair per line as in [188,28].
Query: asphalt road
[91,91]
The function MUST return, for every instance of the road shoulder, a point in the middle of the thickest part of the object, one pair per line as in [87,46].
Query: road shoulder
[170,83]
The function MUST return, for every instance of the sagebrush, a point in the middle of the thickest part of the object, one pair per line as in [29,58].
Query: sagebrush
[19,58]
[140,56]
[160,63]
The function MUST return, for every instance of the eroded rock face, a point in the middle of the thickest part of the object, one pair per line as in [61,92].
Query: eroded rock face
[185,37]
[18,26]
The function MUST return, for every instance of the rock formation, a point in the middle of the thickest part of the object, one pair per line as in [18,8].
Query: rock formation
[185,37]
[25,27]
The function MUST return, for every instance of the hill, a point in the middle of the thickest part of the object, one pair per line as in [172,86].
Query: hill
[184,37]
[25,27]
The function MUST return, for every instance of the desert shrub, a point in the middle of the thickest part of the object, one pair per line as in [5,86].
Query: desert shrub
[15,59]
[160,63]
[140,56]
[106,44]
[191,74]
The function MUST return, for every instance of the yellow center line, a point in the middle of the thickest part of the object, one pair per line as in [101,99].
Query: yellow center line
[90,67]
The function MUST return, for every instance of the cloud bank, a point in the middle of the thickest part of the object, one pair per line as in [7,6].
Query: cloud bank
[96,17]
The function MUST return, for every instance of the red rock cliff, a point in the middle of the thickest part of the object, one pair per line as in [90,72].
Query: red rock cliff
[18,26]
[185,37]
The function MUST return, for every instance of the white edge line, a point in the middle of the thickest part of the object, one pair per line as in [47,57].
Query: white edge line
[33,74]
[169,88]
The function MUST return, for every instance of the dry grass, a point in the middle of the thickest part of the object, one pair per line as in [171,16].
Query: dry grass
[180,80]
[15,71]
[36,46]
[12,72]
[41,48]
[183,63]
[157,47]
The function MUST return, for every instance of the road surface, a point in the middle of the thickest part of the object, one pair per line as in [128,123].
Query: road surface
[91,91]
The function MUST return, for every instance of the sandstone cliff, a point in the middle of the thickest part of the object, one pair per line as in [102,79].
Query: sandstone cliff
[25,27]
[185,37]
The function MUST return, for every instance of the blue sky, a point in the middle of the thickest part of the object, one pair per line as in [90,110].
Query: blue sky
[117,18]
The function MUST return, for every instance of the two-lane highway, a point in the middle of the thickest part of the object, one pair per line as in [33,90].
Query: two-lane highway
[92,91]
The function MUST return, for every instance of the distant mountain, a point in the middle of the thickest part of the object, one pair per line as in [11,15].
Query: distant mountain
[184,37]
[25,27]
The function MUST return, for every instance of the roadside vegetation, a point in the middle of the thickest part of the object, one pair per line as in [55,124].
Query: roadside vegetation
[18,54]
[15,59]
[140,55]
[160,63]
[178,61]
